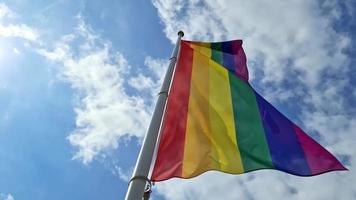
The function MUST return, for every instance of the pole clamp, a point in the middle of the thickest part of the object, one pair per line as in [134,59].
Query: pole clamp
[142,178]
[163,92]
[173,58]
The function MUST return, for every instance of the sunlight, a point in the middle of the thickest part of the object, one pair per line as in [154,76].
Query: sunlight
[3,53]
[7,50]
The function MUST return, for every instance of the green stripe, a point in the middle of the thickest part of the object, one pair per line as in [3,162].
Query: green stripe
[216,53]
[250,134]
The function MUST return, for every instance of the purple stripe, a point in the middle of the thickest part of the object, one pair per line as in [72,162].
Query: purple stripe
[319,159]
[286,152]
[234,58]
[240,60]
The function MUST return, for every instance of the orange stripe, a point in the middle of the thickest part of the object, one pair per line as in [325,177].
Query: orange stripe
[210,141]
[198,149]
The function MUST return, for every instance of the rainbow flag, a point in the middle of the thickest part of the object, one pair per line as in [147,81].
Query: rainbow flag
[215,120]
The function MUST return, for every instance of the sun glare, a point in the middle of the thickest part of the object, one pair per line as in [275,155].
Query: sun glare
[7,51]
[3,48]
[2,45]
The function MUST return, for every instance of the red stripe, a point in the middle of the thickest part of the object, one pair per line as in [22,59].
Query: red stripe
[170,154]
[319,159]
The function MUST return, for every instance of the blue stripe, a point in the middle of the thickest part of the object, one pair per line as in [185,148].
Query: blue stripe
[228,57]
[286,151]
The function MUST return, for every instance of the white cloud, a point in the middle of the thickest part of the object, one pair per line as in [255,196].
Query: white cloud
[279,32]
[6,197]
[15,30]
[121,173]
[295,57]
[5,11]
[215,185]
[157,66]
[141,82]
[18,30]
[105,112]
[16,51]
[10,197]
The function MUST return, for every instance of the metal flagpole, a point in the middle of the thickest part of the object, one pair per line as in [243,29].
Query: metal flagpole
[139,178]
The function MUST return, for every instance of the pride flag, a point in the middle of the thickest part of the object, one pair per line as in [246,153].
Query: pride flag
[215,120]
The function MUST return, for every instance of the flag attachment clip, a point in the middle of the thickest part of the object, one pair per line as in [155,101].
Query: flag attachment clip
[148,189]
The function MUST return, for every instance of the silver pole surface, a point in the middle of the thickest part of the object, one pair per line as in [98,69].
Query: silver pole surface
[139,178]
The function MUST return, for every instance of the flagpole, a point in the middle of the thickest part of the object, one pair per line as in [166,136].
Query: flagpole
[140,175]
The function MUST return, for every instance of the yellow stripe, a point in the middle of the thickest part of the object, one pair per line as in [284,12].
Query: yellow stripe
[203,48]
[222,119]
[210,141]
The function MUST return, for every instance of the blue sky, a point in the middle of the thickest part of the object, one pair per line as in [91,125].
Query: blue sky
[78,81]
